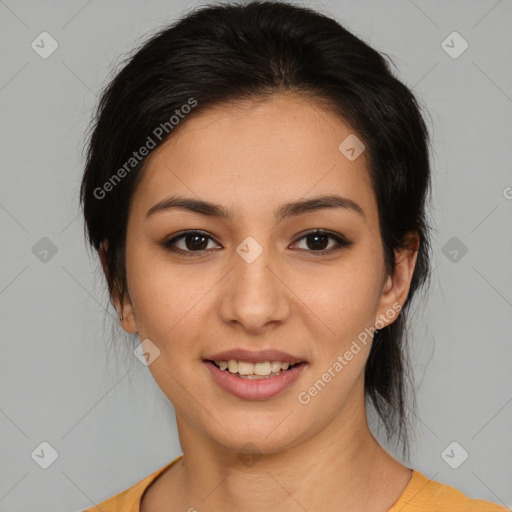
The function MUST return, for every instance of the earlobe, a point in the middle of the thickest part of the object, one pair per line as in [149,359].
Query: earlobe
[127,319]
[125,310]
[125,313]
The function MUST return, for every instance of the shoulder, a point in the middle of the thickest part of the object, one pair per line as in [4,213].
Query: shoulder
[129,499]
[425,495]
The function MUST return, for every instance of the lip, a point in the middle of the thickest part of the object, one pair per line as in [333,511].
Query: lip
[254,389]
[249,356]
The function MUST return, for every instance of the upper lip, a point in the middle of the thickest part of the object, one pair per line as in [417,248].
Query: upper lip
[240,354]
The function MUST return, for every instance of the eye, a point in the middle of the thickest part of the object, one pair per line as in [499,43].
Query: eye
[194,241]
[320,240]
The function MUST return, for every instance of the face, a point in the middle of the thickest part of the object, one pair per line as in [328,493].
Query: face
[261,278]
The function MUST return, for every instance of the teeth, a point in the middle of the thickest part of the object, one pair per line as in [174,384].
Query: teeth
[247,370]
[232,366]
[275,366]
[262,368]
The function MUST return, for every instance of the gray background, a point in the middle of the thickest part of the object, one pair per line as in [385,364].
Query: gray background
[107,419]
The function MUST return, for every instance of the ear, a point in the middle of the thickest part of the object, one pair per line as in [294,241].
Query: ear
[125,309]
[396,286]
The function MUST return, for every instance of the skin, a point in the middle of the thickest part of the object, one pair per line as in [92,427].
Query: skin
[252,158]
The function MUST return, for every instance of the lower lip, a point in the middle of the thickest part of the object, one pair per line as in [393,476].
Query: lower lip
[254,389]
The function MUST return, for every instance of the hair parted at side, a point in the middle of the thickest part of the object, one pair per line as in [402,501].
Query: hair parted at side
[221,53]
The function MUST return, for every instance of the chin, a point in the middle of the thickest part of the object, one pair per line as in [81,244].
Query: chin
[264,435]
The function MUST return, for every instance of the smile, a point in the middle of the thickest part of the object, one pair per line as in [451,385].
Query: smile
[242,379]
[259,370]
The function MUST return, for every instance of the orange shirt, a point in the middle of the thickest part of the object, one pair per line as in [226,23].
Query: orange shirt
[420,495]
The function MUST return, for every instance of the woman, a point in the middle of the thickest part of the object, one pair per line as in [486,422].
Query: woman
[256,188]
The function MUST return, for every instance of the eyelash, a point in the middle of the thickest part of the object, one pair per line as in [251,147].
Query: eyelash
[341,241]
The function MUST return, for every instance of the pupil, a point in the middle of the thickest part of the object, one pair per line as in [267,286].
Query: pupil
[316,237]
[194,243]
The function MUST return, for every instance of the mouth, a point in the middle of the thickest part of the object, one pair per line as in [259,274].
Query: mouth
[253,375]
[254,371]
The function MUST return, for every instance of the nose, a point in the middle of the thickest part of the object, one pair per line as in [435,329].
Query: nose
[254,294]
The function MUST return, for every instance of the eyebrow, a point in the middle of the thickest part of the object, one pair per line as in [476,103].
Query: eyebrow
[286,210]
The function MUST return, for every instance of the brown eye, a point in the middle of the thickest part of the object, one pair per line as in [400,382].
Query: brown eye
[318,241]
[192,241]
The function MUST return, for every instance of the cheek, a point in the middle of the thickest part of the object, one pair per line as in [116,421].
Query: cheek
[346,299]
[166,299]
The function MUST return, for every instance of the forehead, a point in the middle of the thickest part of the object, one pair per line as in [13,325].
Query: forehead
[256,155]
